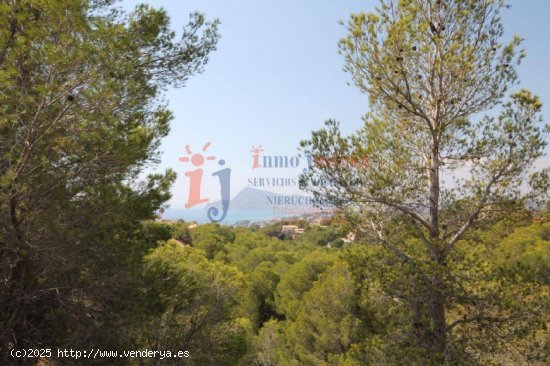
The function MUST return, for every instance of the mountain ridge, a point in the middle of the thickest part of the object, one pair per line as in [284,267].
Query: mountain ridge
[250,198]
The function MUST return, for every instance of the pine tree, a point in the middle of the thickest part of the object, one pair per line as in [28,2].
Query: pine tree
[80,117]
[437,169]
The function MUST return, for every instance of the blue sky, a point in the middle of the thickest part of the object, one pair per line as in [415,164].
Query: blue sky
[277,75]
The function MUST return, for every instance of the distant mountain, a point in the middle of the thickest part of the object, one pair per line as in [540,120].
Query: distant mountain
[256,199]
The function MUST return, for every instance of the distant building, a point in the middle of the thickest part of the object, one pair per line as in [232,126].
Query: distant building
[243,223]
[291,231]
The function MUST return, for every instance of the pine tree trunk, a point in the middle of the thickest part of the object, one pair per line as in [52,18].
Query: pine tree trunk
[437,291]
[437,313]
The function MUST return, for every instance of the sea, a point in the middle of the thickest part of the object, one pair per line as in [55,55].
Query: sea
[233,216]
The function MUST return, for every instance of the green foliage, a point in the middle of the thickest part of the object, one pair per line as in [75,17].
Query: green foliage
[526,253]
[437,274]
[211,238]
[358,309]
[438,170]
[325,236]
[153,232]
[326,324]
[180,231]
[298,280]
[82,115]
[258,303]
[192,300]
